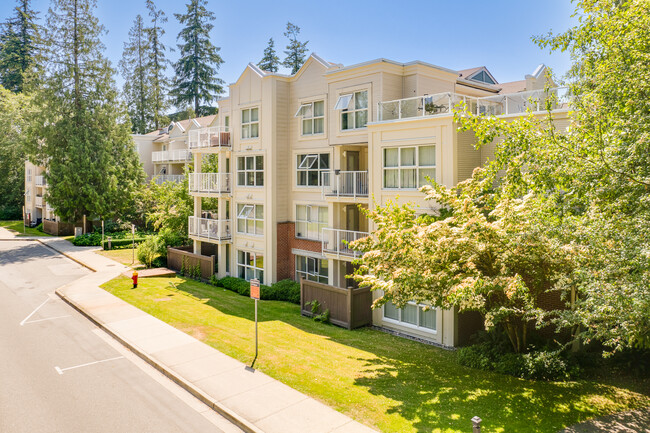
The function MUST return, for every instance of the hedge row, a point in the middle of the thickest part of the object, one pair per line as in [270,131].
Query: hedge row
[285,290]
[118,244]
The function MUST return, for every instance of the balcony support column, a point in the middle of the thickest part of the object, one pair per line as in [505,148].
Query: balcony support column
[197,247]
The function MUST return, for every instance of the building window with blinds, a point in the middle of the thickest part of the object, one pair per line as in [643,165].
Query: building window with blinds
[312,169]
[313,118]
[250,219]
[250,123]
[312,269]
[250,265]
[408,167]
[412,315]
[354,110]
[250,170]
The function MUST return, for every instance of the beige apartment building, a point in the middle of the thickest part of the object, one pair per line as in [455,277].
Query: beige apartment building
[298,156]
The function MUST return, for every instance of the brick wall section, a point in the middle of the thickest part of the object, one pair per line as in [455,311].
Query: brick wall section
[287,241]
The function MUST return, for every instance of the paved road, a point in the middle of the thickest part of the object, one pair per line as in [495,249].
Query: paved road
[60,373]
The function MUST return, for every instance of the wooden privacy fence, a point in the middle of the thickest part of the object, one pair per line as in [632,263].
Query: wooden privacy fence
[349,308]
[179,259]
[57,228]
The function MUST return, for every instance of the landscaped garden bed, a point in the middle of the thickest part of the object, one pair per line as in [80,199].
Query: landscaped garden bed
[386,382]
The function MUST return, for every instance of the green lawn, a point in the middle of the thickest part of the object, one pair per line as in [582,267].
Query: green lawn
[124,256]
[17,226]
[386,382]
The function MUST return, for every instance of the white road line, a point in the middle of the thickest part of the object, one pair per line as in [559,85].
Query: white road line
[61,370]
[33,312]
[43,320]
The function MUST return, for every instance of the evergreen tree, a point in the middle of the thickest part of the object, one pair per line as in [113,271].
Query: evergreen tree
[18,46]
[137,78]
[92,165]
[196,71]
[270,61]
[296,51]
[158,65]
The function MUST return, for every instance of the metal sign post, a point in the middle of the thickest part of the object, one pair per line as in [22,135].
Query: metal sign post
[133,246]
[255,294]
[103,235]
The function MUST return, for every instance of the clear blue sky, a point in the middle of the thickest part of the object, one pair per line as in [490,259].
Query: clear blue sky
[453,34]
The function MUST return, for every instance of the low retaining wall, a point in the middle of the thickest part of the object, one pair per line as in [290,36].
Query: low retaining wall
[349,308]
[179,259]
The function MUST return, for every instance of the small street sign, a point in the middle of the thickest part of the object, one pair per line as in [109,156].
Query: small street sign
[255,288]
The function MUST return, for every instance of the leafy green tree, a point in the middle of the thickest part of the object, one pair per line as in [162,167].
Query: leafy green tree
[499,261]
[79,132]
[169,205]
[596,175]
[15,109]
[196,80]
[137,78]
[270,60]
[158,63]
[18,48]
[296,51]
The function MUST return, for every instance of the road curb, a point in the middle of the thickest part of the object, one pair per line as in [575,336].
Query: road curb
[243,424]
[66,255]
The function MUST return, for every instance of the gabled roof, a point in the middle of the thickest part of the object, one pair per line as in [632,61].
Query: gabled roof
[470,73]
[513,86]
[392,62]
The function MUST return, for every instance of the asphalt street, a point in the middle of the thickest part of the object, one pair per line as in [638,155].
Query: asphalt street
[60,373]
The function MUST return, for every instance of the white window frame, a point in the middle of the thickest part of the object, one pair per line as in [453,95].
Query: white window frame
[29,175]
[306,114]
[399,167]
[247,126]
[303,166]
[254,172]
[310,211]
[419,327]
[350,110]
[255,272]
[247,215]
[316,265]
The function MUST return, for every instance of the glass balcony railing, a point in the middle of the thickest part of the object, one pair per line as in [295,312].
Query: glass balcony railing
[177,155]
[497,105]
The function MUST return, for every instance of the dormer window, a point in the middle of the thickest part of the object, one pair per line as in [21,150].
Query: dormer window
[482,76]
[170,127]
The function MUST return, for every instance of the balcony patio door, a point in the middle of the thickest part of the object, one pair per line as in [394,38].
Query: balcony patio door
[352,217]
[352,160]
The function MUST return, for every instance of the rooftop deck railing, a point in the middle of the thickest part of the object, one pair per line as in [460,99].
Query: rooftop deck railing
[336,241]
[209,229]
[337,183]
[214,136]
[497,105]
[176,155]
[211,183]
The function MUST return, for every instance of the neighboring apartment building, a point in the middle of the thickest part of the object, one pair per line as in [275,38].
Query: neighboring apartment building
[298,155]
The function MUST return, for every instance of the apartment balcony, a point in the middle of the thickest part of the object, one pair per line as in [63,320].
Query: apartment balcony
[210,183]
[423,106]
[345,185]
[522,102]
[162,178]
[40,181]
[213,137]
[336,243]
[207,229]
[38,201]
[177,155]
[497,105]
[49,208]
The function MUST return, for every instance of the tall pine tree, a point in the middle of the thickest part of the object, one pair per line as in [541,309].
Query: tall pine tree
[91,161]
[137,77]
[196,79]
[18,47]
[158,63]
[296,51]
[270,61]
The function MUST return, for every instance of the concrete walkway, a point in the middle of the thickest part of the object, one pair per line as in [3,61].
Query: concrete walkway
[252,400]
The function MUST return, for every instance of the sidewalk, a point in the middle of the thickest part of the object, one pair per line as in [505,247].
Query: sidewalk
[252,400]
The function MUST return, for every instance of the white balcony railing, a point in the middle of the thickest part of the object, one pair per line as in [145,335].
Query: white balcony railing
[214,136]
[40,181]
[214,183]
[521,102]
[48,207]
[337,242]
[337,183]
[497,105]
[209,229]
[162,178]
[176,155]
[38,201]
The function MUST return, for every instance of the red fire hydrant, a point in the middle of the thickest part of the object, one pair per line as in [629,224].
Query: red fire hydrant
[135,279]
